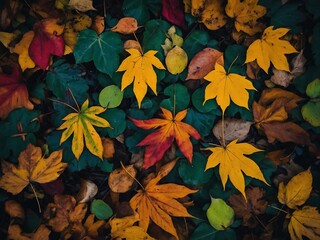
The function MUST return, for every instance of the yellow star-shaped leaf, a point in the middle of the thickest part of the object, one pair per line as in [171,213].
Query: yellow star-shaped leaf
[139,70]
[224,86]
[81,125]
[233,162]
[271,49]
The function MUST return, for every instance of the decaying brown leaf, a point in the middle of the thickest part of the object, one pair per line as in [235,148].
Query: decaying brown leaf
[108,147]
[14,209]
[126,25]
[281,77]
[279,157]
[119,179]
[250,209]
[98,24]
[15,233]
[88,190]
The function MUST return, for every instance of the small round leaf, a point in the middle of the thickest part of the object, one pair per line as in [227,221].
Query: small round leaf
[110,97]
[101,210]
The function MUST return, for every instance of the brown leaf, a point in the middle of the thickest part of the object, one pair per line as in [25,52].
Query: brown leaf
[132,44]
[98,24]
[13,92]
[126,25]
[233,129]
[88,190]
[92,226]
[108,147]
[297,64]
[120,181]
[14,209]
[203,63]
[250,209]
[252,70]
[291,169]
[281,78]
[279,157]
[15,233]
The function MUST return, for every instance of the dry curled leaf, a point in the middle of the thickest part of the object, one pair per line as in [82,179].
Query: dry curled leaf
[281,78]
[126,25]
[119,179]
[15,233]
[298,64]
[88,190]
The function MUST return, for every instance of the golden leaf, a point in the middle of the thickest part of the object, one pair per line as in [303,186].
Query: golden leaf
[233,162]
[305,222]
[32,167]
[81,125]
[297,191]
[138,69]
[158,202]
[271,49]
[246,14]
[225,86]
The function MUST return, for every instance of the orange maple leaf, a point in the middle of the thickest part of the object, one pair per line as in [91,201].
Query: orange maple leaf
[158,202]
[171,128]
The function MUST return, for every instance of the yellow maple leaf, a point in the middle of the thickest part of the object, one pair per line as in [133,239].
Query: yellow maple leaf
[81,125]
[246,14]
[305,222]
[123,228]
[297,191]
[22,48]
[224,86]
[158,202]
[233,162]
[32,167]
[139,69]
[271,49]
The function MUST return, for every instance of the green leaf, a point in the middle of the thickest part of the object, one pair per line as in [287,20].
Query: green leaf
[312,73]
[197,101]
[110,96]
[220,214]
[178,98]
[311,113]
[289,15]
[234,58]
[117,119]
[136,9]
[313,89]
[102,49]
[313,7]
[100,209]
[195,42]
[198,176]
[203,231]
[17,131]
[63,76]
[315,43]
[203,122]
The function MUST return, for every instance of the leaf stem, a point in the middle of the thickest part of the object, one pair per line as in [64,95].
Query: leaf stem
[124,168]
[232,64]
[174,100]
[63,103]
[35,194]
[74,99]
[135,36]
[279,209]
[222,132]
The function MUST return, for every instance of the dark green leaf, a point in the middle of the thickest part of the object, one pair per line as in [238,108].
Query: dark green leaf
[316,43]
[195,42]
[178,98]
[203,122]
[136,9]
[117,120]
[197,101]
[100,209]
[203,231]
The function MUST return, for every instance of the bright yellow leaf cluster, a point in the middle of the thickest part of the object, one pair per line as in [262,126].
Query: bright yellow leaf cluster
[139,70]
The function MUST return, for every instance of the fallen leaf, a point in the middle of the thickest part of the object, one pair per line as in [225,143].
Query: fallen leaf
[305,222]
[6,38]
[81,22]
[271,49]
[233,162]
[13,92]
[225,86]
[88,190]
[139,70]
[297,191]
[126,25]
[249,210]
[278,157]
[123,228]
[81,125]
[108,147]
[14,209]
[92,227]
[176,60]
[32,167]
[15,233]
[81,5]
[298,64]
[220,214]
[281,78]
[132,44]
[246,14]
[203,63]
[22,49]
[119,179]
[233,129]
[64,212]
[98,24]
[171,128]
[158,202]
[172,11]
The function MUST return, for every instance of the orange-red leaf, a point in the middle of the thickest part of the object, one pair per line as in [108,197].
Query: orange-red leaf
[170,128]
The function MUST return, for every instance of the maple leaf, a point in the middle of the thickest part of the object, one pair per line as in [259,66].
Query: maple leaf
[32,167]
[171,128]
[13,92]
[138,69]
[158,202]
[232,161]
[271,49]
[47,41]
[81,125]
[305,222]
[224,86]
[246,14]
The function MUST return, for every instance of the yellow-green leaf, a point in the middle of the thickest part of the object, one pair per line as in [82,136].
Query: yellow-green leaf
[225,86]
[271,49]
[139,70]
[81,125]
[297,191]
[176,60]
[233,162]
